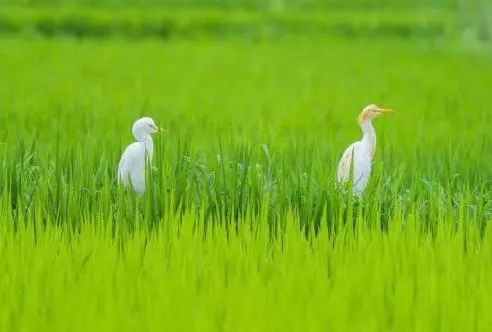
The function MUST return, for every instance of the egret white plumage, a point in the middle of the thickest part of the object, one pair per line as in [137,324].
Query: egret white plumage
[358,156]
[131,169]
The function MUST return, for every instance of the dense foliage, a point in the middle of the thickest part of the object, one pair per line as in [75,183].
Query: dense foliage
[242,227]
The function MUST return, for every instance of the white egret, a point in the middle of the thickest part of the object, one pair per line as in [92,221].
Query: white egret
[131,169]
[361,152]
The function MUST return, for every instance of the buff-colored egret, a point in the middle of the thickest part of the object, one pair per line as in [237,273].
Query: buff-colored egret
[131,169]
[361,152]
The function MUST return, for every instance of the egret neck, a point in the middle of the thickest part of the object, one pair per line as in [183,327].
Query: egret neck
[369,138]
[147,141]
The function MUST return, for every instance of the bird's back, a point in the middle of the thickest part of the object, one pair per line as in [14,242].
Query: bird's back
[343,169]
[361,166]
[132,166]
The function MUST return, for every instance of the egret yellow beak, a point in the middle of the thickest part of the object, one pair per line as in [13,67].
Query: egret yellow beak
[385,110]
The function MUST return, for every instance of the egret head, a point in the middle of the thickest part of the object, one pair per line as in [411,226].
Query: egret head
[143,127]
[371,112]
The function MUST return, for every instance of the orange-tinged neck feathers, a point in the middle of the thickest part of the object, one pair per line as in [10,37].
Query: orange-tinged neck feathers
[364,116]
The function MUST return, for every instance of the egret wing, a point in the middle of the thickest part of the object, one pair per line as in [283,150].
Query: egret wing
[123,169]
[131,169]
[343,170]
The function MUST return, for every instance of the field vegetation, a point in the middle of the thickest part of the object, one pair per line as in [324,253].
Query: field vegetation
[242,227]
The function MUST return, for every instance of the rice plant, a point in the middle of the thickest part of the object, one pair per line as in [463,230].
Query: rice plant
[241,226]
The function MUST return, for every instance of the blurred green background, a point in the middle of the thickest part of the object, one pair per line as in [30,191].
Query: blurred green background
[242,227]
[470,20]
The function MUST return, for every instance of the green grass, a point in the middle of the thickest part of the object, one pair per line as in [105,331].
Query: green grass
[167,24]
[182,277]
[267,5]
[242,228]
